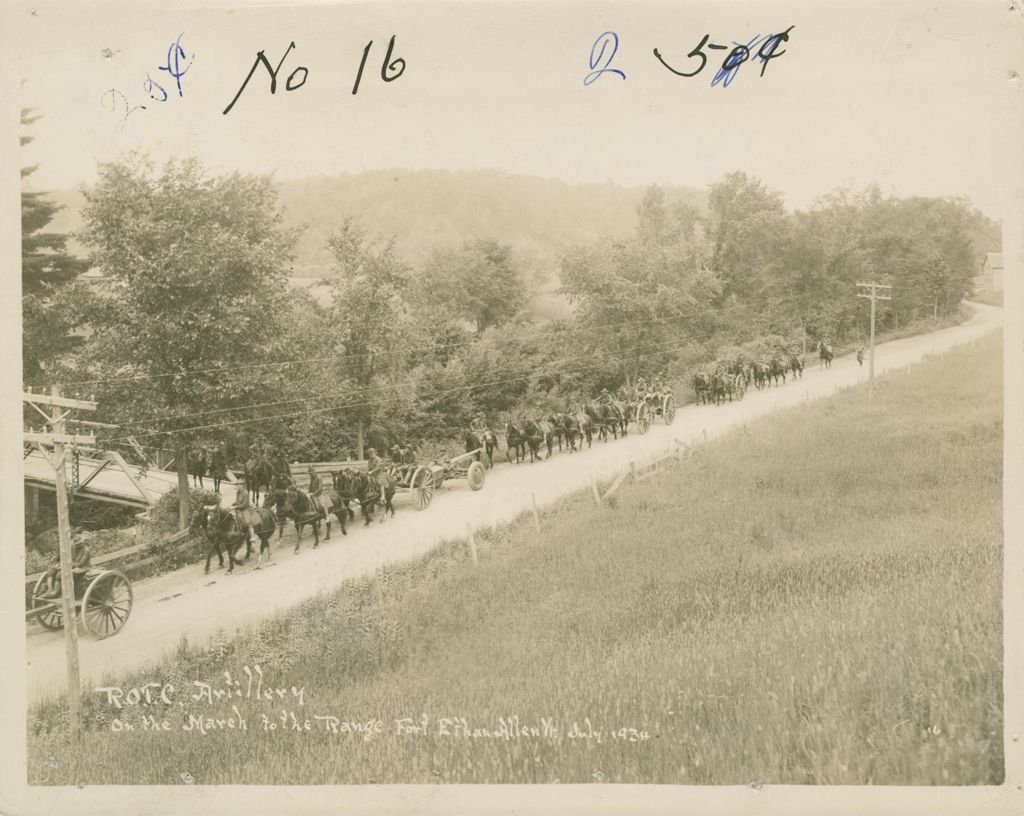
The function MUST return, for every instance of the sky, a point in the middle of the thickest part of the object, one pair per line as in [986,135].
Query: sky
[920,98]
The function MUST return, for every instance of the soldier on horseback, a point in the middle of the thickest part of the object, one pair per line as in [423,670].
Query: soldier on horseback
[604,398]
[375,466]
[479,423]
[241,509]
[314,482]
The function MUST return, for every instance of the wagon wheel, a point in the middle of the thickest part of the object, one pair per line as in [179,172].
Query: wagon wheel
[50,614]
[643,422]
[669,413]
[421,486]
[475,476]
[107,604]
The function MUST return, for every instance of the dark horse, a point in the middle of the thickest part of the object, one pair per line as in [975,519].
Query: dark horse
[824,354]
[259,473]
[222,530]
[304,509]
[514,441]
[358,486]
[796,365]
[485,439]
[277,501]
[198,465]
[533,436]
[702,387]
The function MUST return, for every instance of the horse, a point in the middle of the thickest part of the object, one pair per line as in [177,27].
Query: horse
[796,366]
[533,435]
[824,354]
[582,426]
[702,387]
[343,487]
[218,468]
[559,429]
[304,509]
[514,441]
[777,369]
[222,528]
[198,465]
[486,440]
[360,487]
[621,410]
[762,376]
[333,504]
[258,473]
[276,501]
[549,431]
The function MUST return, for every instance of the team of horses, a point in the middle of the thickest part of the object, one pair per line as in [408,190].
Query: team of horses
[729,380]
[226,530]
[536,437]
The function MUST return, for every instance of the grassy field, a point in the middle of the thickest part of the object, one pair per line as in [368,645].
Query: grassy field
[816,601]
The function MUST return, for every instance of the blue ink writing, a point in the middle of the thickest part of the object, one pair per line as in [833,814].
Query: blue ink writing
[390,69]
[738,55]
[768,51]
[175,54]
[291,83]
[741,53]
[605,40]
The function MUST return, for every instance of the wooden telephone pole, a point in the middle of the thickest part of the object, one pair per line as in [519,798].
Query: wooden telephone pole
[872,291]
[57,437]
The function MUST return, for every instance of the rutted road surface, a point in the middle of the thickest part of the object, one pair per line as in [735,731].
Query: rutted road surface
[186,602]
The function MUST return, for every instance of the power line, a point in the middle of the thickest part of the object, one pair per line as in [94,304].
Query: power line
[335,357]
[342,406]
[365,390]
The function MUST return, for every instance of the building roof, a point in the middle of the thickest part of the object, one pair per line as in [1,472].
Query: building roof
[994,260]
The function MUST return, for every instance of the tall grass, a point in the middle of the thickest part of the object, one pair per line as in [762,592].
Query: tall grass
[816,601]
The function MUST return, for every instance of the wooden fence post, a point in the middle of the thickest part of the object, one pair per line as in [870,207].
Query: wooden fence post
[472,543]
[632,470]
[536,515]
[597,493]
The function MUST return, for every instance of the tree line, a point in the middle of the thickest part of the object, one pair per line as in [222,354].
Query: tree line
[197,338]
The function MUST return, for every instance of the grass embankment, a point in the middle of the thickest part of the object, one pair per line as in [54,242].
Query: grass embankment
[817,601]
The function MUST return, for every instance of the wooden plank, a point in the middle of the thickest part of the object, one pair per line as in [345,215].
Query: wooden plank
[119,460]
[63,402]
[617,483]
[87,440]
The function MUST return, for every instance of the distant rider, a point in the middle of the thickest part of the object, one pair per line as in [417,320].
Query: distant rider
[860,355]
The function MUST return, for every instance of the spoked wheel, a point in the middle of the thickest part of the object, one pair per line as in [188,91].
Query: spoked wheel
[669,413]
[475,475]
[50,614]
[643,422]
[422,487]
[107,604]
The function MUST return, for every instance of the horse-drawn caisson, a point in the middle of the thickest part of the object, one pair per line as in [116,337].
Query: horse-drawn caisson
[103,602]
[421,481]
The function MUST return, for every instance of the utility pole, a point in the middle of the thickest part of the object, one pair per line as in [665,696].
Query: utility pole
[872,292]
[56,436]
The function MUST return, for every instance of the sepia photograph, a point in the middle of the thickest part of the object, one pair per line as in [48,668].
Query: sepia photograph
[578,398]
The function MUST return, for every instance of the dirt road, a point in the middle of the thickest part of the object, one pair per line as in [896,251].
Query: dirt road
[186,603]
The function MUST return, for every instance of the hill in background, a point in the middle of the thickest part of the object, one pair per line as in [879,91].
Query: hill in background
[429,209]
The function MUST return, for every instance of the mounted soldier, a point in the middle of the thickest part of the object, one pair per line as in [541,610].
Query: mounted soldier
[604,398]
[241,508]
[376,470]
[314,482]
[479,423]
